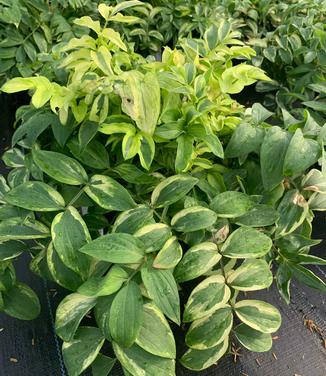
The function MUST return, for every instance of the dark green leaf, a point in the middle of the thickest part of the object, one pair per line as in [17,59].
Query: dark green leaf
[163,290]
[60,167]
[20,301]
[109,194]
[36,196]
[80,353]
[197,261]
[126,315]
[117,248]
[69,314]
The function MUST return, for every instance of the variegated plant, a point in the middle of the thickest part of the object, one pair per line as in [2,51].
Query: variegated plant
[140,175]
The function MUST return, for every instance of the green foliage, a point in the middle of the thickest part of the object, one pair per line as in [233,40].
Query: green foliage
[134,174]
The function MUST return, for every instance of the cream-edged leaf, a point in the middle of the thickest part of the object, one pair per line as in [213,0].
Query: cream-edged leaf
[258,315]
[197,261]
[162,342]
[210,295]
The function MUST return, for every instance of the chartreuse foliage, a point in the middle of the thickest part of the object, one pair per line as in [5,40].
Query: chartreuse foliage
[137,175]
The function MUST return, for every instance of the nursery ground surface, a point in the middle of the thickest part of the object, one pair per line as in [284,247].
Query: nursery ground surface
[299,348]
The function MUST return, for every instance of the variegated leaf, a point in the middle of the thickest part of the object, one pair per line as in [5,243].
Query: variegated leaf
[207,297]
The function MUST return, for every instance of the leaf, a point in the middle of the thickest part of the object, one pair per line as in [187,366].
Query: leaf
[114,37]
[193,219]
[125,5]
[140,95]
[8,211]
[20,301]
[293,210]
[60,167]
[215,145]
[252,339]
[244,140]
[314,181]
[30,130]
[301,154]
[11,249]
[102,314]
[276,142]
[283,278]
[197,261]
[153,236]
[17,176]
[235,78]
[43,89]
[295,243]
[315,105]
[60,273]
[69,233]
[69,314]
[130,145]
[210,330]
[231,204]
[126,315]
[207,297]
[184,152]
[17,84]
[132,220]
[104,10]
[86,21]
[13,158]
[62,132]
[107,285]
[21,229]
[259,113]
[211,36]
[270,53]
[109,194]
[81,352]
[86,133]
[258,315]
[93,155]
[146,151]
[36,196]
[139,362]
[259,216]
[163,290]
[134,175]
[162,344]
[250,276]
[317,202]
[198,360]
[7,276]
[246,242]
[118,248]
[307,277]
[172,189]
[308,259]
[169,255]
[102,366]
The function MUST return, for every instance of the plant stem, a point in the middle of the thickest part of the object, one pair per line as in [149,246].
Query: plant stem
[76,197]
[222,267]
[135,272]
[164,212]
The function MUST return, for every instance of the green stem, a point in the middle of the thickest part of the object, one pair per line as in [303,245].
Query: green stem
[241,184]
[135,272]
[76,197]
[222,267]
[31,33]
[164,212]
